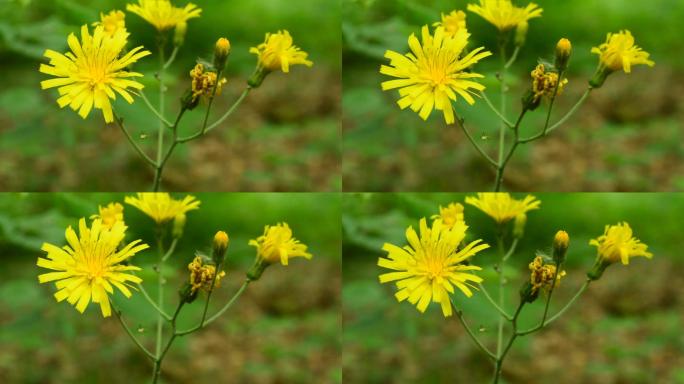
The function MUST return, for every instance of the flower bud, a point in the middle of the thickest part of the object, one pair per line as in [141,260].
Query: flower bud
[257,269]
[258,77]
[220,245]
[189,101]
[561,242]
[563,52]
[221,52]
[529,101]
[599,267]
[521,33]
[179,33]
[178,225]
[600,77]
[187,294]
[527,293]
[519,225]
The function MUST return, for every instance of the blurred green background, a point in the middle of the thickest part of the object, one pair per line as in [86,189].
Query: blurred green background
[284,137]
[627,137]
[284,329]
[626,328]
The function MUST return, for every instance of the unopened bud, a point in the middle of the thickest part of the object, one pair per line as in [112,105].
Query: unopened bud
[186,293]
[561,242]
[219,248]
[519,225]
[563,52]
[178,225]
[521,33]
[189,101]
[529,101]
[527,293]
[221,52]
[179,33]
[257,269]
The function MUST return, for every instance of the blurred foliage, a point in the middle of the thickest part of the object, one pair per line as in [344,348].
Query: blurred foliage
[625,329]
[626,137]
[285,328]
[284,137]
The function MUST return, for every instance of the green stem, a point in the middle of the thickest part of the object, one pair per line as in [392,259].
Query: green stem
[219,121]
[211,101]
[496,111]
[172,248]
[501,356]
[500,271]
[160,357]
[516,131]
[153,303]
[219,313]
[474,143]
[160,138]
[172,58]
[502,128]
[514,57]
[477,341]
[560,313]
[135,145]
[560,122]
[160,292]
[130,334]
[553,100]
[153,109]
[494,304]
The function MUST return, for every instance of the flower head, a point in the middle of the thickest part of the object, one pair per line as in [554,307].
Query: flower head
[431,265]
[618,244]
[452,22]
[541,275]
[544,83]
[278,245]
[90,266]
[110,214]
[160,206]
[89,75]
[432,75]
[619,52]
[112,22]
[162,14]
[501,206]
[278,52]
[503,14]
[203,83]
[202,275]
[451,215]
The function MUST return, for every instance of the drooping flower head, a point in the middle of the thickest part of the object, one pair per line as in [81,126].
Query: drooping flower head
[202,275]
[89,75]
[278,53]
[89,266]
[110,214]
[501,206]
[451,215]
[162,14]
[620,53]
[434,73]
[431,265]
[544,83]
[160,206]
[278,245]
[541,275]
[112,22]
[503,14]
[618,244]
[203,83]
[452,22]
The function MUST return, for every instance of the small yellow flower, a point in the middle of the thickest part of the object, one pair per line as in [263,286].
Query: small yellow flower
[90,265]
[620,53]
[162,14]
[112,22]
[88,76]
[278,52]
[541,275]
[452,22]
[431,265]
[203,83]
[544,83]
[451,215]
[160,206]
[501,206]
[111,214]
[202,275]
[618,244]
[503,14]
[278,245]
[432,75]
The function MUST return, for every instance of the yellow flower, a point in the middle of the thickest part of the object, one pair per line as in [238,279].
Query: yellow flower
[544,83]
[618,244]
[452,22]
[90,265]
[431,265]
[433,73]
[88,76]
[203,83]
[278,52]
[202,275]
[503,14]
[501,206]
[619,52]
[111,214]
[541,275]
[112,22]
[451,215]
[162,14]
[160,206]
[278,245]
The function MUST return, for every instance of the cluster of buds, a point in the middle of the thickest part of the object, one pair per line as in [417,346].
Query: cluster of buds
[203,270]
[544,275]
